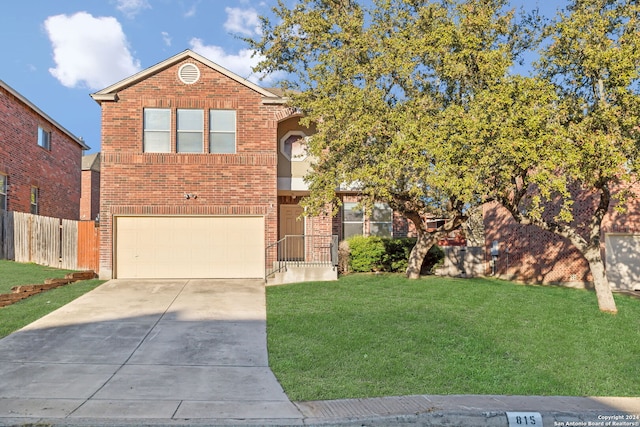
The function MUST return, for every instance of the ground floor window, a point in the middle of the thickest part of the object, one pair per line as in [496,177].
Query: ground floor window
[381,221]
[34,200]
[3,192]
[352,220]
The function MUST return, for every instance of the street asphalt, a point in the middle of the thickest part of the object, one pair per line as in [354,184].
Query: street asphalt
[194,352]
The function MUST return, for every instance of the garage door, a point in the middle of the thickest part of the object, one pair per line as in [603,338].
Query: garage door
[176,247]
[623,261]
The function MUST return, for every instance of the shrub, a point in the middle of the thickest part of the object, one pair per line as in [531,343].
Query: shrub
[396,257]
[366,253]
[387,254]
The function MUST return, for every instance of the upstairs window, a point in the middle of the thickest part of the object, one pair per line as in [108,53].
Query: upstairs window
[35,200]
[294,146]
[157,130]
[222,131]
[160,131]
[44,138]
[190,129]
[3,192]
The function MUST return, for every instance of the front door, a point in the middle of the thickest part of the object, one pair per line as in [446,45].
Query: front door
[291,224]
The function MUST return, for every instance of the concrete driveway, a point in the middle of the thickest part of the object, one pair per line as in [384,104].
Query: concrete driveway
[143,349]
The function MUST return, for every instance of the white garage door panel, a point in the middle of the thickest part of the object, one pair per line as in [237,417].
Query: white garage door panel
[623,261]
[189,247]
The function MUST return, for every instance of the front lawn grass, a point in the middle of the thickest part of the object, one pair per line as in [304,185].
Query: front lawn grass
[15,316]
[17,273]
[384,335]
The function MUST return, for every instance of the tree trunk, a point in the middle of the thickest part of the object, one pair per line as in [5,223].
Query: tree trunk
[416,257]
[604,294]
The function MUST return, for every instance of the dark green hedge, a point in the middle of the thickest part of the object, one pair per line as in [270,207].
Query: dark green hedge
[386,254]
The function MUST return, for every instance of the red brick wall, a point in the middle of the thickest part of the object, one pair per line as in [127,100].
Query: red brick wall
[90,195]
[133,182]
[529,254]
[538,256]
[56,173]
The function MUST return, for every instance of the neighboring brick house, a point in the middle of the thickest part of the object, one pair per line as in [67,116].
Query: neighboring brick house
[201,170]
[40,160]
[528,254]
[90,192]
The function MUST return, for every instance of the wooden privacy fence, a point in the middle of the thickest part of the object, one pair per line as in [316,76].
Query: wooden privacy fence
[54,242]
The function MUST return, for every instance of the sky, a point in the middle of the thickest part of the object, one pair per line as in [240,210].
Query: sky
[57,52]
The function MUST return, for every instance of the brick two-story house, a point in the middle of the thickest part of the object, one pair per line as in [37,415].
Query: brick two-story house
[40,160]
[202,170]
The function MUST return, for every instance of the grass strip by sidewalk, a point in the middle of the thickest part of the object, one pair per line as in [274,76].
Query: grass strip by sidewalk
[20,314]
[367,336]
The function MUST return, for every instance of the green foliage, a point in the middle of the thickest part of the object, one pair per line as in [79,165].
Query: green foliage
[397,254]
[416,105]
[366,253]
[374,78]
[372,253]
[381,81]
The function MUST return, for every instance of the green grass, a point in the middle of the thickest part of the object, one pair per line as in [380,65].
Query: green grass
[16,273]
[15,316]
[367,336]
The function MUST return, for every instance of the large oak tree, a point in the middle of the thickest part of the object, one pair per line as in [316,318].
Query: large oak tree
[380,79]
[572,154]
[416,105]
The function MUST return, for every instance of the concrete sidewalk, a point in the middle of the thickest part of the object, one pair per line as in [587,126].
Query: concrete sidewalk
[193,352]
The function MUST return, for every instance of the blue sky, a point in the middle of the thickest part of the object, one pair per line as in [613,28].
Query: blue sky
[56,53]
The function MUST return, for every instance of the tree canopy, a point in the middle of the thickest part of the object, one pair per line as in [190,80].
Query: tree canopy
[381,80]
[415,104]
[591,139]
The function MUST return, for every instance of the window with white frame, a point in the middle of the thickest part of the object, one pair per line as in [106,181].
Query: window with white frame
[3,192]
[157,130]
[35,200]
[222,131]
[294,146]
[44,138]
[189,131]
[352,220]
[381,221]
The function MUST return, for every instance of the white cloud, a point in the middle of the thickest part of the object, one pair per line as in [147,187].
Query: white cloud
[240,63]
[131,8]
[166,38]
[89,51]
[192,10]
[243,21]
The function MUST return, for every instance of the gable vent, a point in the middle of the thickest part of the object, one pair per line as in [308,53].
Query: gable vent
[189,73]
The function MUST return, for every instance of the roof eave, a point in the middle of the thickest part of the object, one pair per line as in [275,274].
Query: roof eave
[104,97]
[115,88]
[270,101]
